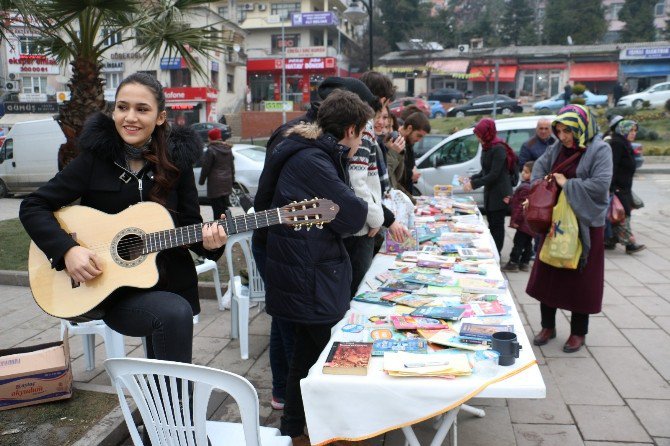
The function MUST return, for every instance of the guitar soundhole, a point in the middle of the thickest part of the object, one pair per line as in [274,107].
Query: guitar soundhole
[127,248]
[130,247]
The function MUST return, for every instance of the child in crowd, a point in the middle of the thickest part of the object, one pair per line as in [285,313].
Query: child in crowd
[523,239]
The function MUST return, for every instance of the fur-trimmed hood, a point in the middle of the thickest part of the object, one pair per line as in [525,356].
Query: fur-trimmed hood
[99,136]
[306,130]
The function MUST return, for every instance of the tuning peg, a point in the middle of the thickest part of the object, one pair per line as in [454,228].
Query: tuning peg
[297,227]
[308,226]
[319,225]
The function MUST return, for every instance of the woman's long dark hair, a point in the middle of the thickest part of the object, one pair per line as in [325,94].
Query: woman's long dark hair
[166,174]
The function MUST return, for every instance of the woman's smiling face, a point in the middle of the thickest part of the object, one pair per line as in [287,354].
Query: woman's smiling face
[136,114]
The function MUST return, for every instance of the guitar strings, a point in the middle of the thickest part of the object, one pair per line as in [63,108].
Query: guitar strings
[128,246]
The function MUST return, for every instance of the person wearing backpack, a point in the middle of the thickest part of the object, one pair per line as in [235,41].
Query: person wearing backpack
[499,170]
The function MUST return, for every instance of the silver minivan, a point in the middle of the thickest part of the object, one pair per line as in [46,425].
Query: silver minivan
[459,154]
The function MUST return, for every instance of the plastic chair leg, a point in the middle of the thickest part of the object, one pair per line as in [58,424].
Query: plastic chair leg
[234,315]
[88,341]
[243,324]
[114,344]
[217,288]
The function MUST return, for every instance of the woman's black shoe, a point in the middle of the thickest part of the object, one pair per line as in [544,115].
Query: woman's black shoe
[634,247]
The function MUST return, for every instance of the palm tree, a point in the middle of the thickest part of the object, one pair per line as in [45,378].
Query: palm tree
[78,32]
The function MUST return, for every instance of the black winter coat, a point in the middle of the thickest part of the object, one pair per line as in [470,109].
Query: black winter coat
[218,169]
[308,273]
[98,178]
[623,161]
[495,178]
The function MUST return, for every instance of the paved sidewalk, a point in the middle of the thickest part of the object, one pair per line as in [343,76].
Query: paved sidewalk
[616,390]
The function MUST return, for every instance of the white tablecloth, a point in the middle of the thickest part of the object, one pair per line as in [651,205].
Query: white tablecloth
[360,407]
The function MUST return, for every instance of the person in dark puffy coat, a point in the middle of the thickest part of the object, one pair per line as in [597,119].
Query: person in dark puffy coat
[132,157]
[522,251]
[218,169]
[308,273]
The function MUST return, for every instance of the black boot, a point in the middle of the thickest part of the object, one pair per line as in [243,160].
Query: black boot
[610,243]
[634,247]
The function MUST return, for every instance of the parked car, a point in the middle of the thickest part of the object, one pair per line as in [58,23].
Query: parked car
[459,155]
[427,143]
[556,102]
[437,110]
[656,95]
[483,105]
[249,161]
[446,95]
[202,128]
[399,105]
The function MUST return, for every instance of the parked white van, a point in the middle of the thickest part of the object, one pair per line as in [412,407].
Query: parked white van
[459,154]
[29,155]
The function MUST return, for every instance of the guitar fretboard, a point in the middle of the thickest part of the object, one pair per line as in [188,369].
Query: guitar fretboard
[186,235]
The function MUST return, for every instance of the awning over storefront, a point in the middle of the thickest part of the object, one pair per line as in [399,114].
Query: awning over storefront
[594,71]
[448,66]
[646,69]
[542,66]
[484,73]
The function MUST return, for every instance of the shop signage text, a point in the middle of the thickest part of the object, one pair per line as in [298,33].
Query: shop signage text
[31,107]
[662,52]
[204,94]
[313,18]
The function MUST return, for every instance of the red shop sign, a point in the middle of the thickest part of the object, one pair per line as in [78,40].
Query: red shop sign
[203,94]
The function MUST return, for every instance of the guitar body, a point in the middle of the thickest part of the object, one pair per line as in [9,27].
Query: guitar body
[115,239]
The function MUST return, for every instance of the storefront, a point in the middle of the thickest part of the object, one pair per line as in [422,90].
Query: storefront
[540,80]
[448,74]
[483,79]
[643,67]
[303,75]
[599,77]
[189,105]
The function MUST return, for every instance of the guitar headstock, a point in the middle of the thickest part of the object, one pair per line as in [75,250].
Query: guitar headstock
[309,213]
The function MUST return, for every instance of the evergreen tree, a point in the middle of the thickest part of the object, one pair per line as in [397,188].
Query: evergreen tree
[517,25]
[583,20]
[639,18]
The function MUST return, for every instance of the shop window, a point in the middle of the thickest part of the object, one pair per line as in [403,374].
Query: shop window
[223,12]
[230,83]
[33,84]
[29,45]
[214,79]
[180,78]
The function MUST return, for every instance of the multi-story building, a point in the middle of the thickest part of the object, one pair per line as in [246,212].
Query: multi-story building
[302,42]
[30,77]
[615,26]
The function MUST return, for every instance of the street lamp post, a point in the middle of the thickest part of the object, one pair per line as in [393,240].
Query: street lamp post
[339,42]
[357,14]
[283,71]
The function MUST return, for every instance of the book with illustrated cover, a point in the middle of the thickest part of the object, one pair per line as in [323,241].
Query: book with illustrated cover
[431,279]
[348,358]
[442,291]
[414,345]
[413,323]
[409,244]
[478,297]
[444,313]
[374,297]
[493,308]
[408,300]
[450,339]
[468,269]
[483,331]
[401,285]
[481,285]
[474,253]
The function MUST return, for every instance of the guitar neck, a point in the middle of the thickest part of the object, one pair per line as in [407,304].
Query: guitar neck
[187,235]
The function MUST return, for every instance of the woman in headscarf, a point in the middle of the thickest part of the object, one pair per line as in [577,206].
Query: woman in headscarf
[585,182]
[498,165]
[623,161]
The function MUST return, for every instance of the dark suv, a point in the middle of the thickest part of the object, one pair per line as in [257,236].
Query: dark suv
[202,128]
[446,95]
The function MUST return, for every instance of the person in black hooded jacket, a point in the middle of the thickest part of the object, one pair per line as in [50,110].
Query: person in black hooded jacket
[126,159]
[308,273]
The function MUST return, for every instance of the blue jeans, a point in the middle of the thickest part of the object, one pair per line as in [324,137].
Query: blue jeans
[164,318]
[282,337]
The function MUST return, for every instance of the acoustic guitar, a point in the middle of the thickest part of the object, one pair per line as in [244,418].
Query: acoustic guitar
[128,242]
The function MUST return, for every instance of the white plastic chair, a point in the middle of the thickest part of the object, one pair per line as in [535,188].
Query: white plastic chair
[155,386]
[210,265]
[241,301]
[113,340]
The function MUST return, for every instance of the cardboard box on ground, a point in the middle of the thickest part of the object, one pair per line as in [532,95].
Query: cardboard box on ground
[35,374]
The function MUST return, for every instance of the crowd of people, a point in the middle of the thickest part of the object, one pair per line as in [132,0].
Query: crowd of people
[348,147]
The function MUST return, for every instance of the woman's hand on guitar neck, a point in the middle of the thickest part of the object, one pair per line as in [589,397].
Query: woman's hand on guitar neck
[213,236]
[82,264]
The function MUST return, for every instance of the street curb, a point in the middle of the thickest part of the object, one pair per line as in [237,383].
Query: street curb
[20,278]
[651,168]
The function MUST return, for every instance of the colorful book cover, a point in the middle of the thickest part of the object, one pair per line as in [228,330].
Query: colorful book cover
[373,297]
[494,308]
[400,285]
[413,301]
[431,279]
[444,313]
[409,244]
[348,358]
[483,331]
[481,285]
[467,269]
[450,339]
[413,323]
[415,345]
[473,253]
[442,291]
